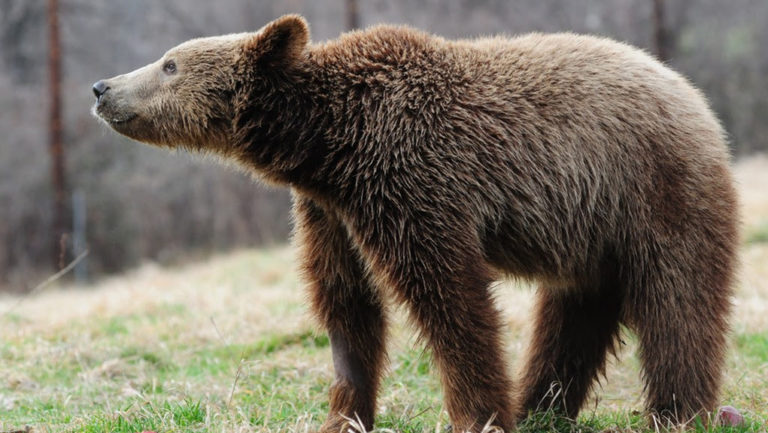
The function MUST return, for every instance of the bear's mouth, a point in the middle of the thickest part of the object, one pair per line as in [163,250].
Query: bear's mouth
[119,120]
[110,117]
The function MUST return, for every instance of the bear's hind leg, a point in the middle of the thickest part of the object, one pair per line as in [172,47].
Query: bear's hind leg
[680,317]
[349,308]
[574,328]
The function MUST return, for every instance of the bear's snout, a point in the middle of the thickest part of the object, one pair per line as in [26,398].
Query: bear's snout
[99,89]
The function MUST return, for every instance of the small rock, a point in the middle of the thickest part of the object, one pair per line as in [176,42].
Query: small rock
[730,416]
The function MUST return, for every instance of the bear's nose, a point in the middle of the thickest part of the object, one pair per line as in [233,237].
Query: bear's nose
[100,88]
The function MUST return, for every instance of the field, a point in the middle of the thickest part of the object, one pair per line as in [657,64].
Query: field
[226,345]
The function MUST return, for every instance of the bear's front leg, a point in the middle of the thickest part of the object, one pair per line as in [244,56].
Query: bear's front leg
[350,310]
[436,266]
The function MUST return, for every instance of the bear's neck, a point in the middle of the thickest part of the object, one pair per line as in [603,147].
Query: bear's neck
[305,129]
[279,129]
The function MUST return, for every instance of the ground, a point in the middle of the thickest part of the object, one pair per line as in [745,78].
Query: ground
[226,344]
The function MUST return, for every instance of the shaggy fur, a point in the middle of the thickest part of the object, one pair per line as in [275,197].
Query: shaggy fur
[424,169]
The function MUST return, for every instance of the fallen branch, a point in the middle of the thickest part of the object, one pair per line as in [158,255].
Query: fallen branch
[48,281]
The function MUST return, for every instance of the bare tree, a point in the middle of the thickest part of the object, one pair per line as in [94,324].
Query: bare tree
[353,15]
[56,147]
[661,37]
[669,19]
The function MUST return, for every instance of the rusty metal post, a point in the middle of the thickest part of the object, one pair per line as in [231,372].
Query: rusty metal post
[56,147]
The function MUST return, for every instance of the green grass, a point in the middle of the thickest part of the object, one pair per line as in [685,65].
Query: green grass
[227,346]
[758,233]
[754,347]
[186,416]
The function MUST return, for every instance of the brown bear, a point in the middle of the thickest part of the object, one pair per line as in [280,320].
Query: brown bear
[424,169]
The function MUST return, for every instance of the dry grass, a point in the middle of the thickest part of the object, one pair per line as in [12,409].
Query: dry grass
[752,178]
[216,288]
[84,358]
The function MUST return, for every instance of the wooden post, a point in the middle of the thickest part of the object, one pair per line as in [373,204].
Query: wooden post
[79,237]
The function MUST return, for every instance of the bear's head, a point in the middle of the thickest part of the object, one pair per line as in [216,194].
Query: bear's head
[193,95]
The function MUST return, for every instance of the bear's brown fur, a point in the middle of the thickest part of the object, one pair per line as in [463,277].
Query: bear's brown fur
[424,169]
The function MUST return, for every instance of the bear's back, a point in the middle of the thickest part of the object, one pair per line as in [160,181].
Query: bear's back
[569,130]
[563,79]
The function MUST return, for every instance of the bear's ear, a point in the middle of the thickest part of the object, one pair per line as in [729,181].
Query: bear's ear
[280,42]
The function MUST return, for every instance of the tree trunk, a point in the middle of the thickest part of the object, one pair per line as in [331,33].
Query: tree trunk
[353,15]
[661,32]
[56,147]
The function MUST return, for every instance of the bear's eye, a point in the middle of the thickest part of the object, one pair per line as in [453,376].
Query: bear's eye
[169,67]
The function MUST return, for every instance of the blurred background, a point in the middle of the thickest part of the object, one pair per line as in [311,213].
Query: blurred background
[67,184]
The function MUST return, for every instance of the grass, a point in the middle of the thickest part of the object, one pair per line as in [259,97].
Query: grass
[758,234]
[228,346]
